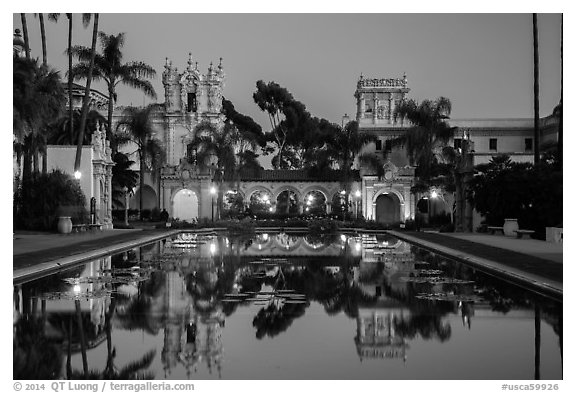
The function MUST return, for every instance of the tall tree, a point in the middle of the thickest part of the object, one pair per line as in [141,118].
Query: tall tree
[86,100]
[216,145]
[54,18]
[344,146]
[289,121]
[561,121]
[108,67]
[536,90]
[136,125]
[426,139]
[38,98]
[25,35]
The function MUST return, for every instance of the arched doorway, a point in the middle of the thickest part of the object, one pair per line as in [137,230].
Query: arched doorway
[185,205]
[387,209]
[260,202]
[315,203]
[287,202]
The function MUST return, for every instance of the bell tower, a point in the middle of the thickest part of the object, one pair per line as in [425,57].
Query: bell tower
[376,100]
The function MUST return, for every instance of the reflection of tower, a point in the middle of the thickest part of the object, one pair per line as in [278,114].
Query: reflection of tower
[376,336]
[176,307]
[191,336]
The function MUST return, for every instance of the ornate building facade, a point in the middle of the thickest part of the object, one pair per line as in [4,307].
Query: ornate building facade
[387,198]
[190,98]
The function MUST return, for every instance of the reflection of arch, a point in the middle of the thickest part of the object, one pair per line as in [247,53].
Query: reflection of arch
[313,244]
[287,242]
[149,200]
[388,208]
[185,205]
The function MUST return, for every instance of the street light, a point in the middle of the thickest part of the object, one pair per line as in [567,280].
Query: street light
[77,175]
[212,192]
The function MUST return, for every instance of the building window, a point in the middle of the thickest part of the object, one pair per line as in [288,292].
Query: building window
[191,102]
[493,144]
[528,144]
[457,143]
[378,145]
[388,145]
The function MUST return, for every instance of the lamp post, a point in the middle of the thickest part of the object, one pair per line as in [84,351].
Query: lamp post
[212,192]
[125,189]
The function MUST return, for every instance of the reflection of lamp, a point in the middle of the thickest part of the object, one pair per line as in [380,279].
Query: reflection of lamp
[358,194]
[212,248]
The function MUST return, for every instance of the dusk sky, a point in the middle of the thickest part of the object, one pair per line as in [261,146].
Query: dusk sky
[481,62]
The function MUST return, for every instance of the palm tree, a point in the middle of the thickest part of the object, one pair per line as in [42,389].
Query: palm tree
[211,143]
[53,18]
[137,128]
[38,98]
[108,67]
[60,132]
[426,139]
[343,147]
[86,100]
[536,90]
[25,35]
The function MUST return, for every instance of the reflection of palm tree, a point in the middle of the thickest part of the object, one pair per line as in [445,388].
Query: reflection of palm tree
[427,326]
[275,319]
[34,355]
[133,370]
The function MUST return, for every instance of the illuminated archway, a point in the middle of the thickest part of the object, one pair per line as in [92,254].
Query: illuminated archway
[185,205]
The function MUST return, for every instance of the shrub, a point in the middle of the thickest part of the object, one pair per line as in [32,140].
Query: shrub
[322,226]
[43,197]
[447,228]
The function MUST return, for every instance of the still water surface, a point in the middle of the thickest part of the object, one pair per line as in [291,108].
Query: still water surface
[278,306]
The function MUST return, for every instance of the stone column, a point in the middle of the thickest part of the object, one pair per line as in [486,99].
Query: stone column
[328,207]
[392,108]
[375,110]
[109,196]
[300,207]
[96,187]
[362,105]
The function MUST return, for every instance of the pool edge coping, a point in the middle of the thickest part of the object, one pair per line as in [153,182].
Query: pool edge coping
[534,282]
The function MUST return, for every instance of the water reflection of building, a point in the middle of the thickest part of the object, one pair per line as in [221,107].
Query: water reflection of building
[376,336]
[192,327]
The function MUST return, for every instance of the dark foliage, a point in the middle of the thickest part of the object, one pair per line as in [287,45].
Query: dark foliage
[43,198]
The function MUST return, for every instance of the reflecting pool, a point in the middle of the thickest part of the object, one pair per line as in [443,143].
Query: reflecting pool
[281,306]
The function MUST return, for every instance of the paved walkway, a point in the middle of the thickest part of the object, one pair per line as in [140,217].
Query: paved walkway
[38,253]
[533,263]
